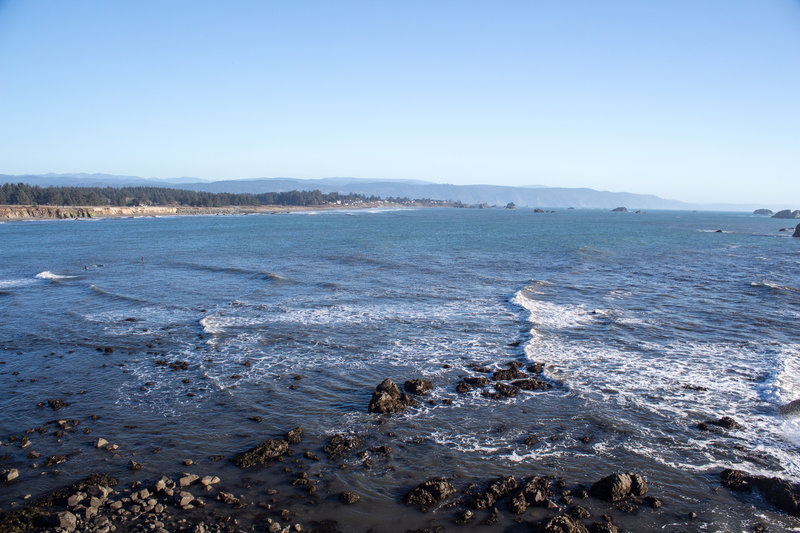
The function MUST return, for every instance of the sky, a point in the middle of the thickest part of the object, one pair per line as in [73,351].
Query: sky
[696,100]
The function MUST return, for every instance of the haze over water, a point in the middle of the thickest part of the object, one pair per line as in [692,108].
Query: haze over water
[647,325]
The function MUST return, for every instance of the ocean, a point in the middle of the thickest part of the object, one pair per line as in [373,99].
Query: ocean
[647,325]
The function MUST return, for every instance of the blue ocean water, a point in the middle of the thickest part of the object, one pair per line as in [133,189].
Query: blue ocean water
[647,325]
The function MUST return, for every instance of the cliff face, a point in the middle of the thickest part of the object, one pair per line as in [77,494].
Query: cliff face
[23,212]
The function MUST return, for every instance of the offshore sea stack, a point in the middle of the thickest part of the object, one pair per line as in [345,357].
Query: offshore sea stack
[787,213]
[388,399]
[796,231]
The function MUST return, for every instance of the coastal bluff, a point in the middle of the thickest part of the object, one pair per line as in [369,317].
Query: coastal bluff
[33,212]
[25,212]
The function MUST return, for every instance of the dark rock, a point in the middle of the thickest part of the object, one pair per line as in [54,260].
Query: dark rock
[787,213]
[508,374]
[266,452]
[518,504]
[383,450]
[503,390]
[478,381]
[604,527]
[536,368]
[133,465]
[462,387]
[56,404]
[54,460]
[736,480]
[563,524]
[620,210]
[387,399]
[497,490]
[531,440]
[703,426]
[418,386]
[796,231]
[725,422]
[339,444]
[579,511]
[349,497]
[429,493]
[295,436]
[638,485]
[763,212]
[780,493]
[790,408]
[612,488]
[532,384]
[653,502]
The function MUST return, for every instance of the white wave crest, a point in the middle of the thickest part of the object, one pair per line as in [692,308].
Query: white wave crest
[52,276]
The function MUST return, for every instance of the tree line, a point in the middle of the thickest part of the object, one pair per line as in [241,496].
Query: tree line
[24,194]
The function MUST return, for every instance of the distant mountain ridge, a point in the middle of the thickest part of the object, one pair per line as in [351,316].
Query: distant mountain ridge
[536,196]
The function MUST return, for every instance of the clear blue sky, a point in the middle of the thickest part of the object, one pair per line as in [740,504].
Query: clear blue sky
[697,100]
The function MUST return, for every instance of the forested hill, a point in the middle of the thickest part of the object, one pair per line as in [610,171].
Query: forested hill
[23,194]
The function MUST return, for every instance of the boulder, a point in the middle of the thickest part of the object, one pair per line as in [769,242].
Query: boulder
[418,386]
[781,493]
[349,497]
[792,408]
[612,488]
[65,521]
[430,492]
[266,452]
[388,399]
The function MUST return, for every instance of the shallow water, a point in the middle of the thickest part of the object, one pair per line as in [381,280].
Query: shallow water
[647,324]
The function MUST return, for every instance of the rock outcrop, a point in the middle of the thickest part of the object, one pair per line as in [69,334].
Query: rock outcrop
[796,231]
[620,210]
[787,213]
[430,492]
[767,212]
[388,398]
[266,452]
[418,386]
[619,486]
[779,492]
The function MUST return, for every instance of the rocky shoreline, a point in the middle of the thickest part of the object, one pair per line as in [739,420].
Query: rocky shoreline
[201,498]
[43,212]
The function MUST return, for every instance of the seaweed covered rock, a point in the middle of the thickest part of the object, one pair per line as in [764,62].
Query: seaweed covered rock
[266,452]
[429,492]
[388,398]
